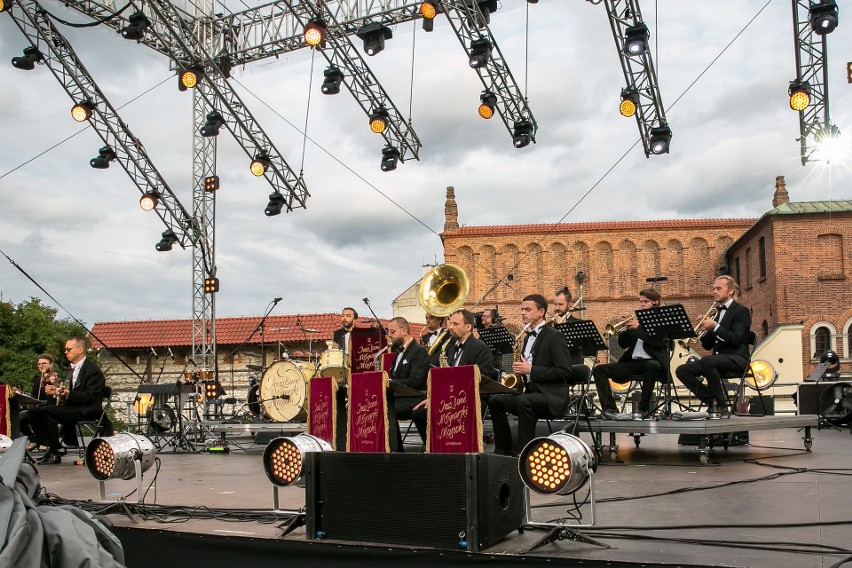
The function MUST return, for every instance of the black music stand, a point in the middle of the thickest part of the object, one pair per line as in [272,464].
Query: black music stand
[668,323]
[500,341]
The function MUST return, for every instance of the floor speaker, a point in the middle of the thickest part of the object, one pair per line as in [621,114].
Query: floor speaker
[457,501]
[807,396]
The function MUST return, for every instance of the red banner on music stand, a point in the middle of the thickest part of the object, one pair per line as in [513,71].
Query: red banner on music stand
[5,412]
[322,408]
[368,416]
[454,418]
[387,361]
[365,343]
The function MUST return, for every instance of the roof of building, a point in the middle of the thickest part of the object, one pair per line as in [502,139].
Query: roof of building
[806,207]
[663,224]
[229,331]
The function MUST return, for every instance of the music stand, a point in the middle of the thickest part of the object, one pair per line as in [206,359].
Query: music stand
[582,335]
[500,341]
[667,323]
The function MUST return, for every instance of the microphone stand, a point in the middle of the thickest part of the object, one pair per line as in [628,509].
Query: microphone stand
[259,327]
[378,321]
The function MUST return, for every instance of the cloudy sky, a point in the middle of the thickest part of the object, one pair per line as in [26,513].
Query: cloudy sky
[366,233]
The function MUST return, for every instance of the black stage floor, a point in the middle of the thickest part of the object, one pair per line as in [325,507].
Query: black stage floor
[767,504]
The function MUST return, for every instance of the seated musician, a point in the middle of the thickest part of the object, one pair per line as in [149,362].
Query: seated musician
[463,349]
[409,367]
[644,357]
[342,340]
[545,362]
[435,338]
[46,376]
[81,399]
[726,336]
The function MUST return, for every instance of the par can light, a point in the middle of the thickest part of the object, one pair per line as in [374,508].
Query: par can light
[115,457]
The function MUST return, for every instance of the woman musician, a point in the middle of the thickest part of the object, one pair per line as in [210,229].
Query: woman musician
[46,376]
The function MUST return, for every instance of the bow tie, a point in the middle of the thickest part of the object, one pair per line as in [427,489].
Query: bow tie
[722,307]
[532,333]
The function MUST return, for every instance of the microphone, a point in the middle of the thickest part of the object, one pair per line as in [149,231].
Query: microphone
[154,353]
[276,300]
[366,301]
[170,352]
[656,279]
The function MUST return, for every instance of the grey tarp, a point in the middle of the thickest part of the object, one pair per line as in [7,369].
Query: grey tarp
[44,535]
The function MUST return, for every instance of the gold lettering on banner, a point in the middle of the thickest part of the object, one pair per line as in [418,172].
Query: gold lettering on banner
[367,418]
[362,360]
[289,384]
[452,417]
[321,413]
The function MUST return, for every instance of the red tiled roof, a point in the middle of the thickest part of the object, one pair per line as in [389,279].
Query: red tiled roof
[229,331]
[555,228]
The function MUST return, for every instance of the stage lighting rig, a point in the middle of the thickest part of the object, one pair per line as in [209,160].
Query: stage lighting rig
[135,30]
[189,77]
[480,52]
[629,103]
[276,203]
[636,40]
[522,133]
[800,95]
[31,56]
[390,158]
[211,286]
[429,10]
[105,155]
[823,17]
[333,77]
[149,200]
[259,165]
[315,33]
[168,239]
[82,111]
[212,125]
[487,103]
[211,183]
[661,138]
[379,120]
[374,35]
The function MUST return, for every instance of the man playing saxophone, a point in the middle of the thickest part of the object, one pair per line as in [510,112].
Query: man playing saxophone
[644,357]
[726,336]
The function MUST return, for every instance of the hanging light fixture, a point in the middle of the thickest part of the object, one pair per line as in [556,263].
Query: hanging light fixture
[189,77]
[136,27]
[104,157]
[82,111]
[390,158]
[31,56]
[629,102]
[149,200]
[379,120]
[823,17]
[480,53]
[522,133]
[488,101]
[374,35]
[636,40]
[333,77]
[211,127]
[168,239]
[276,203]
[800,95]
[315,33]
[259,165]
[660,141]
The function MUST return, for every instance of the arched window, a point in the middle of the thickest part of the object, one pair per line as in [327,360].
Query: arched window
[822,339]
[847,340]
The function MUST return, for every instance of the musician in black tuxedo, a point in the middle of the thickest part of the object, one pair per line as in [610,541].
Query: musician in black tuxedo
[341,337]
[348,317]
[435,339]
[463,349]
[644,357]
[546,367]
[82,399]
[410,367]
[726,336]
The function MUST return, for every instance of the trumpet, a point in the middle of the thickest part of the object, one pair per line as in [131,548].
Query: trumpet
[617,327]
[709,314]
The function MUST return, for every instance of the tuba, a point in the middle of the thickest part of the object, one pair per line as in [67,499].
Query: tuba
[443,290]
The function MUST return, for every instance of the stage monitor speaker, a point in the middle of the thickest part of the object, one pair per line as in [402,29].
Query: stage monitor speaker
[807,396]
[456,501]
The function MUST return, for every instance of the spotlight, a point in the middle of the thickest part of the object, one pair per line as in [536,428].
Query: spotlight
[116,457]
[800,94]
[211,285]
[629,102]
[29,59]
[213,124]
[190,77]
[661,138]
[211,183]
[283,457]
[144,401]
[480,52]
[488,101]
[82,111]
[379,120]
[169,239]
[486,8]
[390,157]
[833,370]
[3,5]
[764,375]
[823,17]
[137,26]
[259,165]
[522,133]
[225,64]
[429,10]
[104,157]
[315,32]
[374,35]
[276,203]
[636,40]
[331,84]
[149,200]
[212,390]
[560,464]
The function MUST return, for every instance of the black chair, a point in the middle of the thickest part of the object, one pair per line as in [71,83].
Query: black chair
[100,427]
[735,400]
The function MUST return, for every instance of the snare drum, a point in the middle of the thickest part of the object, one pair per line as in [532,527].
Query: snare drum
[332,363]
[283,390]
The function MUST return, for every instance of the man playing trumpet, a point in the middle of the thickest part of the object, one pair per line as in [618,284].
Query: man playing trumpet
[644,357]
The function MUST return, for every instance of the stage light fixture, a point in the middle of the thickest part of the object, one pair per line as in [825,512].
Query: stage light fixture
[849,72]
[390,158]
[283,458]
[488,101]
[480,53]
[31,56]
[3,6]
[211,127]
[620,388]
[333,76]
[522,133]
[189,77]
[225,65]
[211,285]
[137,26]
[119,457]
[259,165]
[212,390]
[276,203]
[82,111]
[532,1]
[168,239]
[629,102]
[379,120]
[832,372]
[764,375]
[143,403]
[486,8]
[211,183]
[104,157]
[800,94]
[823,17]
[315,32]
[149,200]
[558,464]
[636,40]
[661,139]
[429,10]
[374,35]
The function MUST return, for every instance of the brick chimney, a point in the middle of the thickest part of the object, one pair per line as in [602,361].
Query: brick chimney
[781,196]
[451,211]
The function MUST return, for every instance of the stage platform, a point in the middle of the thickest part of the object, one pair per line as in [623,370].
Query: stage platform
[767,504]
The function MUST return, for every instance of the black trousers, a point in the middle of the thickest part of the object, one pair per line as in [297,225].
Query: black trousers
[341,418]
[527,407]
[710,368]
[44,419]
[623,372]
[402,408]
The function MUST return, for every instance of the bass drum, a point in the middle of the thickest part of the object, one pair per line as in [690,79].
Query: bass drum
[283,390]
[332,363]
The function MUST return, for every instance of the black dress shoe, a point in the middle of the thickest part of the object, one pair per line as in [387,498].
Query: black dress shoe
[49,458]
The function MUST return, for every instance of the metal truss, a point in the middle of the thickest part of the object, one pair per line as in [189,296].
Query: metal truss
[63,62]
[811,66]
[358,77]
[469,25]
[638,71]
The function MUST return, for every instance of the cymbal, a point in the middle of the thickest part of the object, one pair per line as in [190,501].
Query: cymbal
[254,367]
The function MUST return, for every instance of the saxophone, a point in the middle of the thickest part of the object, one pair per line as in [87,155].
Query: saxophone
[512,380]
[442,357]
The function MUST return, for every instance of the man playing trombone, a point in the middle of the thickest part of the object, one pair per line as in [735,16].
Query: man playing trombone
[726,335]
[644,357]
